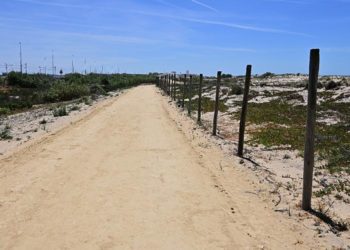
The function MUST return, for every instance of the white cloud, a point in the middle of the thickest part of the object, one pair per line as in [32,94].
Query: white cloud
[51,3]
[205,5]
[225,24]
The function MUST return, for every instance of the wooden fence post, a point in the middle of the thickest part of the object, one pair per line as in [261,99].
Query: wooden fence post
[199,118]
[184,92]
[248,76]
[179,96]
[216,111]
[169,89]
[190,96]
[174,87]
[170,86]
[309,152]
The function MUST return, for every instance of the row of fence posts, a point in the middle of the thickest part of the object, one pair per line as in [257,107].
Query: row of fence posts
[167,83]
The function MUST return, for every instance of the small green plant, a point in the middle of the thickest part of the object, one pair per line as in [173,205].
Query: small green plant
[4,111]
[66,92]
[236,89]
[43,122]
[86,100]
[208,105]
[61,111]
[267,75]
[75,108]
[5,134]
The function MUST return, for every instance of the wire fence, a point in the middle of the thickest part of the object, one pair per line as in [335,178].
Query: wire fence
[208,95]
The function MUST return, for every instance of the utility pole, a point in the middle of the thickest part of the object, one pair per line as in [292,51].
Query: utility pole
[26,68]
[53,64]
[85,65]
[72,64]
[20,56]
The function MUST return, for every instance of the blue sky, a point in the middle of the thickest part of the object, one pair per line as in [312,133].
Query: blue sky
[202,36]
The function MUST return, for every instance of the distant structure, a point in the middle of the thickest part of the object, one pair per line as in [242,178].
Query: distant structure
[20,57]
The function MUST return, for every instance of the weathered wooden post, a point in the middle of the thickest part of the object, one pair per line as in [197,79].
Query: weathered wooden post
[190,96]
[309,152]
[178,86]
[216,111]
[179,96]
[248,76]
[168,83]
[199,117]
[184,92]
[174,97]
[164,83]
[173,84]
[170,86]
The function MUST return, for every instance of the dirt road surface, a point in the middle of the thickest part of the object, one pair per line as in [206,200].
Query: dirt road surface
[126,177]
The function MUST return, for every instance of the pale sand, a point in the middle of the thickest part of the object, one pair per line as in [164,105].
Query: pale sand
[128,177]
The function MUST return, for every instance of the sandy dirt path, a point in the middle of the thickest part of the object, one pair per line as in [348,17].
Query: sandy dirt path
[125,177]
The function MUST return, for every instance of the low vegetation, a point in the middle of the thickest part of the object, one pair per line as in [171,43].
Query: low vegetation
[208,105]
[60,111]
[282,124]
[5,133]
[20,92]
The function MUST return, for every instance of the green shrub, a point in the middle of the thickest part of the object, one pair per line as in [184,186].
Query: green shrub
[236,89]
[5,134]
[4,111]
[226,76]
[28,81]
[18,104]
[39,88]
[75,108]
[97,90]
[61,111]
[66,92]
[104,82]
[43,122]
[86,100]
[267,75]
